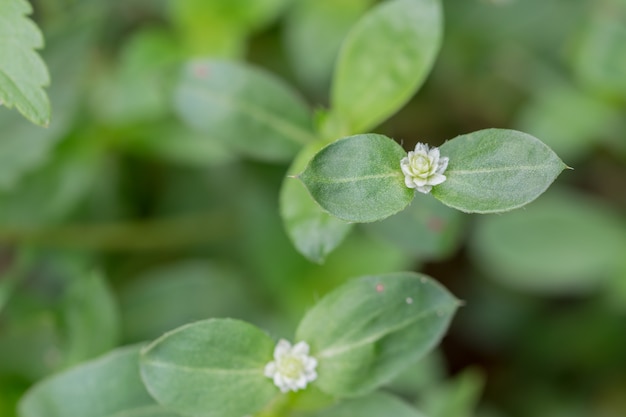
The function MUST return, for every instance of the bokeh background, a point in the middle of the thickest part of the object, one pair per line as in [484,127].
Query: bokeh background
[119,222]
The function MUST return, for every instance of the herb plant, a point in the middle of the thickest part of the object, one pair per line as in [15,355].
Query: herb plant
[326,326]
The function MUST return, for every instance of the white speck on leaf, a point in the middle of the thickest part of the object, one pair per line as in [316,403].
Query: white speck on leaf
[409,300]
[292,368]
[423,168]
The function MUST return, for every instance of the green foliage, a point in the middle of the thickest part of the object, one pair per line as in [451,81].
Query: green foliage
[575,242]
[23,74]
[105,387]
[163,195]
[496,170]
[245,108]
[358,178]
[314,232]
[211,368]
[369,330]
[384,59]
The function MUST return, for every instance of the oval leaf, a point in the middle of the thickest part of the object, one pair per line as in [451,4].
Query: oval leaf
[384,60]
[358,178]
[314,232]
[573,241]
[106,387]
[210,368]
[367,331]
[496,170]
[245,108]
[22,71]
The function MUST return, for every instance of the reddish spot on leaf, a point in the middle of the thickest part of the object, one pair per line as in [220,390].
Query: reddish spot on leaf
[436,224]
[201,71]
[380,288]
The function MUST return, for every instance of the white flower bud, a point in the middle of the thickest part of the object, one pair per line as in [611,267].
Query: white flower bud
[423,168]
[292,368]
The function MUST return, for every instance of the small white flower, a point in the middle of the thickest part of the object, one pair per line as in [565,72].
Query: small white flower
[292,368]
[423,168]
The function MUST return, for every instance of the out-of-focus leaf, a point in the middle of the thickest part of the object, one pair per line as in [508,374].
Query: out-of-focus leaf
[30,346]
[105,387]
[90,317]
[456,398]
[219,27]
[170,296]
[562,243]
[569,121]
[210,368]
[314,232]
[358,178]
[495,170]
[384,60]
[47,195]
[374,405]
[23,146]
[23,73]
[600,61]
[427,229]
[138,87]
[422,375]
[245,108]
[320,26]
[368,330]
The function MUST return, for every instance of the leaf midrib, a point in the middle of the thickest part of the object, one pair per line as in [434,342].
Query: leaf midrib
[185,368]
[330,352]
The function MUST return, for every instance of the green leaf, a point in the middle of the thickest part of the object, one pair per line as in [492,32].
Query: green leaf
[456,398]
[24,146]
[320,26]
[384,60]
[138,87]
[89,304]
[22,71]
[600,61]
[563,243]
[570,122]
[358,178]
[370,329]
[374,405]
[313,232]
[106,387]
[245,108]
[495,170]
[210,368]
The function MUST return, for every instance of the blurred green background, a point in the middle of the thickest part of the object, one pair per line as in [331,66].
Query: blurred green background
[120,222]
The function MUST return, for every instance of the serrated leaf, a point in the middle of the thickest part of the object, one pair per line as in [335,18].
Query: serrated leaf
[35,144]
[384,60]
[245,108]
[212,368]
[358,178]
[23,74]
[368,330]
[106,387]
[375,405]
[313,232]
[495,170]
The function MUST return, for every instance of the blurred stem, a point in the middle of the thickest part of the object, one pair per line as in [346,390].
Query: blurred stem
[140,235]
